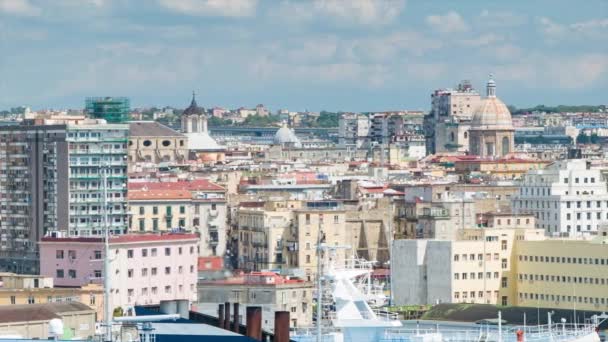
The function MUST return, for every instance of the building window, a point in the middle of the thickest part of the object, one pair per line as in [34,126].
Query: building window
[154,290]
[59,254]
[142,225]
[97,255]
[155,210]
[182,209]
[154,271]
[31,300]
[130,253]
[153,251]
[167,289]
[503,245]
[144,252]
[97,274]
[504,301]
[59,274]
[142,210]
[130,273]
[167,270]
[504,282]
[155,224]
[144,272]
[167,251]
[179,251]
[180,270]
[71,254]
[72,274]
[307,218]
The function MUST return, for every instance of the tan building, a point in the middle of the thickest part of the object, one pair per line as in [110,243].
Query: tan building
[266,289]
[478,267]
[491,132]
[562,274]
[497,169]
[195,205]
[18,289]
[152,142]
[32,321]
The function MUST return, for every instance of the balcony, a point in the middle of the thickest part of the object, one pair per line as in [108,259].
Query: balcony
[435,213]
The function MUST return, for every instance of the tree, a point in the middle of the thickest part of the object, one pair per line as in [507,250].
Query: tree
[594,138]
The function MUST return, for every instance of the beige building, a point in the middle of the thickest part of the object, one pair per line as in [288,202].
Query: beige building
[18,289]
[32,321]
[283,235]
[562,274]
[196,205]
[451,112]
[152,142]
[266,289]
[478,267]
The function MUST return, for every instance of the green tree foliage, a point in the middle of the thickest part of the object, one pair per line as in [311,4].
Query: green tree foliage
[557,109]
[261,121]
[583,138]
[214,121]
[326,120]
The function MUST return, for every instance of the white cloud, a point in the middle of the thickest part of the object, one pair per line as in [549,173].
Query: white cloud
[451,22]
[551,28]
[483,40]
[489,18]
[19,7]
[553,31]
[358,12]
[590,25]
[578,72]
[222,8]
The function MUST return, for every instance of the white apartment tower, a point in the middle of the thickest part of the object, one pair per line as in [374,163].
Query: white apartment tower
[568,198]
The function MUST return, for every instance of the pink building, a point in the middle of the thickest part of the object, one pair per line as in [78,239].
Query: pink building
[145,268]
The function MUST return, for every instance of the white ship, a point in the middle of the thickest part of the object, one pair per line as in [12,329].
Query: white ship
[350,318]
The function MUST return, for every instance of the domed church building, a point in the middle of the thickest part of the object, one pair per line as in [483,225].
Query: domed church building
[491,132]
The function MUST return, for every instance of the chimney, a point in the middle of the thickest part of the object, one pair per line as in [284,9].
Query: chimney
[281,326]
[254,322]
[220,316]
[227,316]
[237,324]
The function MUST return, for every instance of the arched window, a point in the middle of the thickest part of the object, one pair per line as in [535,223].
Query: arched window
[505,146]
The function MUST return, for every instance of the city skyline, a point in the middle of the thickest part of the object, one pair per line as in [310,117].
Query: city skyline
[367,56]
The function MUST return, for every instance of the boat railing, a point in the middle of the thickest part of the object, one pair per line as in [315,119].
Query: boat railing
[386,315]
[555,332]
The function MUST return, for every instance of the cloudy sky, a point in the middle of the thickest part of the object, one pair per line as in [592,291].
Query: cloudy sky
[356,55]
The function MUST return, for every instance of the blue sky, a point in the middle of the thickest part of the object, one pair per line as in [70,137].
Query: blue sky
[355,55]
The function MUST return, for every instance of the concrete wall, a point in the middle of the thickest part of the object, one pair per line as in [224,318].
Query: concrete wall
[409,271]
[439,272]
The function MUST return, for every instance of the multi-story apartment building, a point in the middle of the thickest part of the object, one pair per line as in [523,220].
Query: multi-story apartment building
[478,267]
[97,159]
[562,274]
[568,198]
[51,180]
[268,290]
[261,234]
[525,269]
[353,130]
[314,222]
[284,236]
[145,269]
[197,206]
[448,123]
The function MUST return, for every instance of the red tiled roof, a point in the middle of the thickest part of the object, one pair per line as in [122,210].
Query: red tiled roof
[159,194]
[151,237]
[193,185]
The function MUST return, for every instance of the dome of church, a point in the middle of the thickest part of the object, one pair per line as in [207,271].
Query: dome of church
[193,109]
[285,136]
[491,113]
[202,141]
